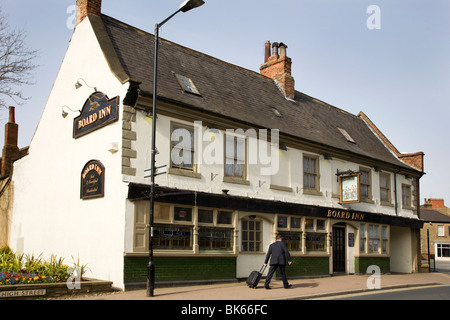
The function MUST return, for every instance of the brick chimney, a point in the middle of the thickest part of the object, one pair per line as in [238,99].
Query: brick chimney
[278,67]
[85,7]
[11,149]
[435,203]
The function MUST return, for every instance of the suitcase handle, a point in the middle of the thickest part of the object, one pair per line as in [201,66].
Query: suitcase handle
[263,268]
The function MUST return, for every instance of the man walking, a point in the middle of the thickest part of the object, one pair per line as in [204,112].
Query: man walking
[279,253]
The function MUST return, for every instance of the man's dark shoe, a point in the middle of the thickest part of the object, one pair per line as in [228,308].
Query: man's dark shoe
[289,286]
[268,288]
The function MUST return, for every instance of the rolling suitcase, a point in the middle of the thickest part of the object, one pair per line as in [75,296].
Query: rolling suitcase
[255,277]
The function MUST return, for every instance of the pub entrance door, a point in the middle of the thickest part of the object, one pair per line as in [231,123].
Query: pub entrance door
[338,249]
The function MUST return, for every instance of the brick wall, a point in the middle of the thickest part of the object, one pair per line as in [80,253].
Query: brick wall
[433,228]
[85,7]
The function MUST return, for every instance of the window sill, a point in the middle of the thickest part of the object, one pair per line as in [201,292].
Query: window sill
[386,203]
[184,173]
[236,180]
[312,192]
[280,188]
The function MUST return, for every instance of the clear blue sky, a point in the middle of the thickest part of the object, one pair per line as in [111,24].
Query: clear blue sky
[398,75]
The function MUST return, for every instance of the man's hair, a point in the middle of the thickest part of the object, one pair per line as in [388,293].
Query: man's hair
[279,236]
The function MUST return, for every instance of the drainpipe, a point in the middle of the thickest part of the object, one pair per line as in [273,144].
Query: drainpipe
[395,192]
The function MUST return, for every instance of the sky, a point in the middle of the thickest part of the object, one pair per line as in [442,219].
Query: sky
[389,59]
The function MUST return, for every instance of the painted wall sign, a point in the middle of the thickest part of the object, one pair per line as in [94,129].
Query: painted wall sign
[350,189]
[346,215]
[93,180]
[98,111]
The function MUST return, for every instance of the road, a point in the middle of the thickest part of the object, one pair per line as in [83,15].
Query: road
[424,293]
[441,292]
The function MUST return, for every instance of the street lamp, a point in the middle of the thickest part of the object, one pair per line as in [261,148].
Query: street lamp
[184,7]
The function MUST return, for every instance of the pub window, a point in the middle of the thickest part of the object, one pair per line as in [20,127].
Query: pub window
[309,224]
[235,157]
[310,173]
[365,184]
[290,230]
[374,238]
[215,230]
[385,187]
[320,225]
[406,195]
[316,242]
[177,233]
[172,237]
[182,148]
[362,238]
[251,235]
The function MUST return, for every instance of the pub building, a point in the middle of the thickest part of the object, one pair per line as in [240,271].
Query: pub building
[338,191]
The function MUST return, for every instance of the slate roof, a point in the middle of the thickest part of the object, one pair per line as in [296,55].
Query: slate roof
[430,215]
[237,93]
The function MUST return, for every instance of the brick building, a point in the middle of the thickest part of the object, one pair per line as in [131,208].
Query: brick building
[436,230]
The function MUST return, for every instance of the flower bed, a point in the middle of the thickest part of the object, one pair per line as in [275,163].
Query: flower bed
[12,278]
[18,269]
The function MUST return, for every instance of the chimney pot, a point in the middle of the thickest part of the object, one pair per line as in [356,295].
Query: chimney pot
[275,49]
[283,48]
[267,52]
[12,117]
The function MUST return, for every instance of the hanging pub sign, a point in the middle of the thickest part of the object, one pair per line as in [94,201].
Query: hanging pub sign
[349,186]
[98,111]
[93,180]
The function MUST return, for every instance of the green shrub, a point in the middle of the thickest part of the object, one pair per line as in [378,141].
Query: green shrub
[54,268]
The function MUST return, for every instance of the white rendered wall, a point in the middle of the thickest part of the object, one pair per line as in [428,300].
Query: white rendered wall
[49,216]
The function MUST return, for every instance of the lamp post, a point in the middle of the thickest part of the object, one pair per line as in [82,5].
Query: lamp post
[184,7]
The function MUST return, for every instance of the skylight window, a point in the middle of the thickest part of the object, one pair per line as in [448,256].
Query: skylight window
[187,84]
[346,135]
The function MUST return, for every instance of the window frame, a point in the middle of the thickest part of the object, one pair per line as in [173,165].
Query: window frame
[386,188]
[313,176]
[235,158]
[406,196]
[255,231]
[366,185]
[174,126]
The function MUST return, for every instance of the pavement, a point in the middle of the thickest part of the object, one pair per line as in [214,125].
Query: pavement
[302,289]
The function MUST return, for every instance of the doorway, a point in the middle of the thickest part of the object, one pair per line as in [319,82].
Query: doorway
[338,249]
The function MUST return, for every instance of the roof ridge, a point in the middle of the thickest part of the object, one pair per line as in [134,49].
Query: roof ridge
[184,47]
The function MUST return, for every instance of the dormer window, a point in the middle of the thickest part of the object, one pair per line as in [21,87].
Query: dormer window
[187,84]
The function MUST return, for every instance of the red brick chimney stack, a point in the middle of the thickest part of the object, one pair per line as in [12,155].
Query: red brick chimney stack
[11,149]
[278,67]
[85,7]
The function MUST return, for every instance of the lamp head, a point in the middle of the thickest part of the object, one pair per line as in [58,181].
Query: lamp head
[191,4]
[78,85]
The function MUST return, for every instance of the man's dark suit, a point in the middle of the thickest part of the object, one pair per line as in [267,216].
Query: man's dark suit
[279,252]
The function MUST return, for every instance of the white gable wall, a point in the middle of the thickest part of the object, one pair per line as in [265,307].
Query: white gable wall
[49,217]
